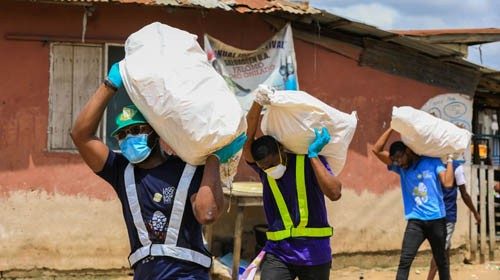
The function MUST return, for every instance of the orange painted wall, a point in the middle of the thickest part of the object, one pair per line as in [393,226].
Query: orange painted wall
[24,83]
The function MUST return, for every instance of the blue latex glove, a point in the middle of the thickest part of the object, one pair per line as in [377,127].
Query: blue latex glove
[319,142]
[226,152]
[114,76]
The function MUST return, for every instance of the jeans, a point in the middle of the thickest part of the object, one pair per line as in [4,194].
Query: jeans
[415,234]
[274,269]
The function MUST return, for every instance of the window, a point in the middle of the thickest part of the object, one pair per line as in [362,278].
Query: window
[114,53]
[76,71]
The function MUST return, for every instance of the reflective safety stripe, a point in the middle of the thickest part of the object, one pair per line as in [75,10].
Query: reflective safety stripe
[174,225]
[289,230]
[280,201]
[157,250]
[135,208]
[299,232]
[301,191]
[169,248]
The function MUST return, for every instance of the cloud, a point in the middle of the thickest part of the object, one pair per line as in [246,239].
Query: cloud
[402,14]
[489,54]
[373,14]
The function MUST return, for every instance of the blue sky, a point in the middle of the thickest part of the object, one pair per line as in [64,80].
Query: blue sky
[425,14]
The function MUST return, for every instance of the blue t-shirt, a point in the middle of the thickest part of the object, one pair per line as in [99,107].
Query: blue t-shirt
[450,196]
[450,202]
[304,250]
[156,189]
[421,188]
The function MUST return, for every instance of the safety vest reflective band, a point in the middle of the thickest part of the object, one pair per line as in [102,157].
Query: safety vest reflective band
[289,230]
[169,248]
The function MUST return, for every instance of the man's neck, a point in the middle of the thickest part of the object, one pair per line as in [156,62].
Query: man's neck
[414,158]
[156,158]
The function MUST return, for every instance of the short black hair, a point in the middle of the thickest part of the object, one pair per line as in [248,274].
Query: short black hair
[263,147]
[397,147]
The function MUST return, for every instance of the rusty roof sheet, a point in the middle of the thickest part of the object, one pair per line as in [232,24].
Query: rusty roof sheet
[431,32]
[242,6]
[455,36]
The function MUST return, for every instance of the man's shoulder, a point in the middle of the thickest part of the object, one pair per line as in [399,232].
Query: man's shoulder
[428,158]
[433,161]
[114,162]
[175,163]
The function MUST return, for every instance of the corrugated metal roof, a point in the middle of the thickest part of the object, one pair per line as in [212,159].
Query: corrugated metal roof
[364,30]
[455,36]
[242,6]
[490,79]
[467,31]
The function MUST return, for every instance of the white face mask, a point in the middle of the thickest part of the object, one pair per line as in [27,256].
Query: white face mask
[276,172]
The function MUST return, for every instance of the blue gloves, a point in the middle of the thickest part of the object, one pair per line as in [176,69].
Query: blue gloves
[226,152]
[114,77]
[319,142]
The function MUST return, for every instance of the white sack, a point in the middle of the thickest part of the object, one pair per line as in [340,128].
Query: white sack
[292,117]
[428,135]
[168,77]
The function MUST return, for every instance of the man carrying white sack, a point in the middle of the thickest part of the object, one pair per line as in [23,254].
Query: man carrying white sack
[421,181]
[294,187]
[164,200]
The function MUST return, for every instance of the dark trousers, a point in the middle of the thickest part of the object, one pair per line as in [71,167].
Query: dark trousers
[416,232]
[273,268]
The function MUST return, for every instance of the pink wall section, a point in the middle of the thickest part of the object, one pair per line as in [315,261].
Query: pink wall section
[24,83]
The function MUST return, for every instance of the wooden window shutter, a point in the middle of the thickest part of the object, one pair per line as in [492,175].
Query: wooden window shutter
[76,72]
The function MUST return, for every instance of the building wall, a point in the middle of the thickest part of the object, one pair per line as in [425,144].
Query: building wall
[56,213]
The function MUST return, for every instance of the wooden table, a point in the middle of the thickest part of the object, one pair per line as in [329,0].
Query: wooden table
[242,199]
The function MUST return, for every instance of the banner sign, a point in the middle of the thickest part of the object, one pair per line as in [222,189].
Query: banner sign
[273,64]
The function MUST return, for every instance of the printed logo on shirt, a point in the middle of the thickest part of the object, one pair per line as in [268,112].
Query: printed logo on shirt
[168,194]
[156,227]
[420,194]
[157,197]
[426,174]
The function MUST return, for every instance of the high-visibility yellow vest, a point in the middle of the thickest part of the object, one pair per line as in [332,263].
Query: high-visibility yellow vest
[301,230]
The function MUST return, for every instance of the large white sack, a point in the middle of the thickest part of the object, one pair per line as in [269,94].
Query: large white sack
[428,135]
[292,117]
[168,77]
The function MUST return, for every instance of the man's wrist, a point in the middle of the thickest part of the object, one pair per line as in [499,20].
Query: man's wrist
[450,159]
[312,154]
[214,157]
[110,85]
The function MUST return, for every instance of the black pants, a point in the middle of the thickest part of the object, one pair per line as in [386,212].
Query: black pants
[416,232]
[273,268]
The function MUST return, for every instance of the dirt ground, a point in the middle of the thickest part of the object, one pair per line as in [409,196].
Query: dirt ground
[490,271]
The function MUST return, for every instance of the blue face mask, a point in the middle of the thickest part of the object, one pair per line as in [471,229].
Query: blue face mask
[135,147]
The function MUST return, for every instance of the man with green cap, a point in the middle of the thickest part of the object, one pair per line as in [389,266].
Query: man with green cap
[164,200]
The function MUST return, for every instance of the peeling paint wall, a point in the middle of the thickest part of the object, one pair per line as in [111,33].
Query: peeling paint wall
[56,213]
[39,229]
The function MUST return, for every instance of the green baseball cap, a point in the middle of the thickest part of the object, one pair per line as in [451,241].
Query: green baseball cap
[129,115]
